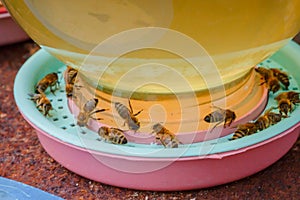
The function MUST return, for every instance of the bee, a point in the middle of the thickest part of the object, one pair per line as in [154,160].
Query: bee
[267,119]
[273,84]
[282,77]
[167,138]
[42,103]
[269,79]
[128,116]
[69,89]
[113,135]
[285,106]
[70,77]
[265,73]
[291,95]
[244,129]
[87,111]
[50,80]
[221,115]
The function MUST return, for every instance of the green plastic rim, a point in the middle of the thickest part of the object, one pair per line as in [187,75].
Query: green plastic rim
[62,124]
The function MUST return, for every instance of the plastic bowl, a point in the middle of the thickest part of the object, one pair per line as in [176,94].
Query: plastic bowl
[152,167]
[10,31]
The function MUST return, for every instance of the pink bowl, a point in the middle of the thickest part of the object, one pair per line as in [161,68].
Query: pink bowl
[148,167]
[169,174]
[10,31]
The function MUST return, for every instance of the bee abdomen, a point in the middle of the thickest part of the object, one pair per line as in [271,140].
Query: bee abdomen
[238,134]
[122,110]
[274,85]
[285,81]
[41,88]
[122,140]
[262,124]
[174,144]
[214,117]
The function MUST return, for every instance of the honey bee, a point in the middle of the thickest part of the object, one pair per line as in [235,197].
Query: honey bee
[273,84]
[167,138]
[244,129]
[42,103]
[70,77]
[128,116]
[113,135]
[282,77]
[267,119]
[87,111]
[265,73]
[291,95]
[270,80]
[221,115]
[50,80]
[69,89]
[285,106]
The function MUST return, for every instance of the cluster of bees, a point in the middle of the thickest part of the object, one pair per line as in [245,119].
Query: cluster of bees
[39,97]
[111,134]
[274,80]
[271,77]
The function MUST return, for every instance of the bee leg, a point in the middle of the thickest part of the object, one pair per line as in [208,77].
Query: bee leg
[262,83]
[213,106]
[227,124]
[39,91]
[96,118]
[130,106]
[163,143]
[216,125]
[97,111]
[138,112]
[48,114]
[38,106]
[82,131]
[51,89]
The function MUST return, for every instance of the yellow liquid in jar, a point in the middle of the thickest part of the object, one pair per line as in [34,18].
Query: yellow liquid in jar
[235,34]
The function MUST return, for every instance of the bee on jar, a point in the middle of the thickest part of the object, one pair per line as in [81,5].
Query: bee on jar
[282,77]
[220,115]
[112,135]
[291,95]
[264,72]
[267,119]
[43,104]
[50,80]
[69,88]
[70,77]
[87,112]
[128,116]
[166,137]
[269,79]
[244,129]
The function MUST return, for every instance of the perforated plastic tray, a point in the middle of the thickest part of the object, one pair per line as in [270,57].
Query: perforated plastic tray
[153,167]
